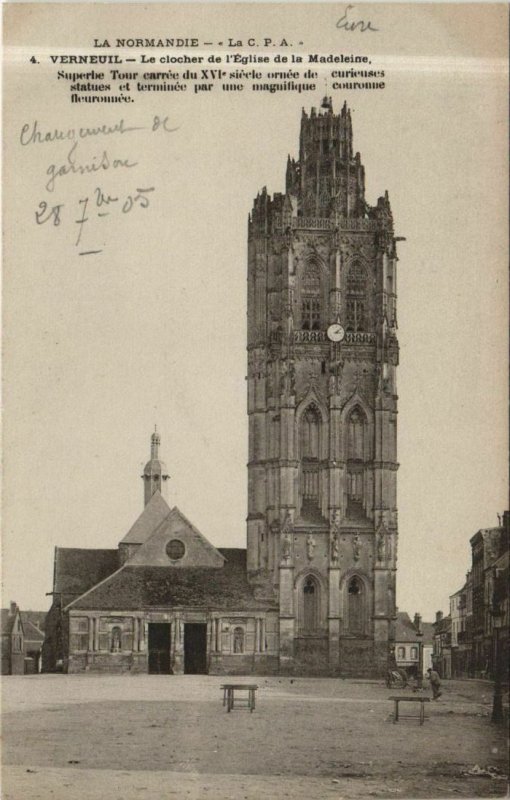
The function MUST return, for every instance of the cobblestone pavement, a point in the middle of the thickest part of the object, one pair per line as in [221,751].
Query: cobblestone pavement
[91,737]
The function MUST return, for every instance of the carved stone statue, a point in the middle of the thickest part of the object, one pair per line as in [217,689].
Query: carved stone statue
[286,548]
[356,547]
[310,546]
[380,547]
[287,526]
[334,549]
[335,522]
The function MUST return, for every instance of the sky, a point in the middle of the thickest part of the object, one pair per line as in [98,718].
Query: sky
[100,348]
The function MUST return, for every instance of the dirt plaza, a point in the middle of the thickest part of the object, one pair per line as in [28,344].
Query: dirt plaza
[126,737]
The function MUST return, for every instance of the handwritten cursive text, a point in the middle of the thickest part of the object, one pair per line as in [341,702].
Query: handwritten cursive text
[351,25]
[72,165]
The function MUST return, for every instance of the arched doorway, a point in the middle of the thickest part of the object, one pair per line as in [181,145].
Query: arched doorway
[355,606]
[310,599]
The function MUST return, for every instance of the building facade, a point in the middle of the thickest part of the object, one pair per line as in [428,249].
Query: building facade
[322,404]
[13,652]
[411,636]
[314,591]
[473,641]
[22,640]
[442,652]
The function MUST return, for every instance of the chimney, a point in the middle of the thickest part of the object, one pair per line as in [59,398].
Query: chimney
[439,616]
[417,622]
[13,609]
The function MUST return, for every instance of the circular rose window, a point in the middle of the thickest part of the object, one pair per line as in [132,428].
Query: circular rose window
[175,549]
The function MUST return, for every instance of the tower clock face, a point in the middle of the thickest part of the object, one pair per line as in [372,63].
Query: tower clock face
[335,332]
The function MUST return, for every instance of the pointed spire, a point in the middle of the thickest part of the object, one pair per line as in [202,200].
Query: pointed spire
[155,442]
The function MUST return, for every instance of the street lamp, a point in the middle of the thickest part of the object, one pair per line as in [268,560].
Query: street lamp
[419,638]
[497,700]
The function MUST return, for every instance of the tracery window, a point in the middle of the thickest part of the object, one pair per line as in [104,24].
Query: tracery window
[356,456]
[310,431]
[356,434]
[310,313]
[355,298]
[310,299]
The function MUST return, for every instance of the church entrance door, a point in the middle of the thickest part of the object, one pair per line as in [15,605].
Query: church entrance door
[195,648]
[159,648]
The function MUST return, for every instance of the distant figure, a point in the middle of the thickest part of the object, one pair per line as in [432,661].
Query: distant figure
[435,683]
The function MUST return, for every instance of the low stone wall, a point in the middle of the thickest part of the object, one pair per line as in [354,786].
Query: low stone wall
[244,665]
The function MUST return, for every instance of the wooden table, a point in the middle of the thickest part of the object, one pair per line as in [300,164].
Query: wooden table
[229,690]
[406,698]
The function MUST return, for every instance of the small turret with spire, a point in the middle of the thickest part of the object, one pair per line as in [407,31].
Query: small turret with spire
[155,474]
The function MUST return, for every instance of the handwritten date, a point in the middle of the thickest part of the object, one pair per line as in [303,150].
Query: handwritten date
[101,204]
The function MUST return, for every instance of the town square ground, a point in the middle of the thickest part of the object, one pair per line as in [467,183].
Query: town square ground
[136,737]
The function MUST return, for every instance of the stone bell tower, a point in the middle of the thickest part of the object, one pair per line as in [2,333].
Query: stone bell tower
[155,475]
[322,405]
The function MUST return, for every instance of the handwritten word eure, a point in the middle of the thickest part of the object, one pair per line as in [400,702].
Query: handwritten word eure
[349,25]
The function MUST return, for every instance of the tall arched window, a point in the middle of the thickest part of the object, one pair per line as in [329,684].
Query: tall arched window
[310,605]
[310,433]
[310,298]
[355,605]
[356,298]
[356,434]
[356,447]
[310,445]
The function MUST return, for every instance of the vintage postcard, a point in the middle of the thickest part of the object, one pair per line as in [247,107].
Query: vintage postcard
[255,525]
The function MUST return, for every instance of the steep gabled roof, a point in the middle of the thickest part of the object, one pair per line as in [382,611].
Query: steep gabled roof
[405,630]
[36,618]
[6,621]
[31,632]
[140,587]
[156,510]
[77,570]
[199,552]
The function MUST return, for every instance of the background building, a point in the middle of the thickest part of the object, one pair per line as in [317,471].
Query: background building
[410,636]
[22,640]
[474,638]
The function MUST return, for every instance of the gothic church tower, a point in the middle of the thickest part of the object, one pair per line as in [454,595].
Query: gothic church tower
[322,405]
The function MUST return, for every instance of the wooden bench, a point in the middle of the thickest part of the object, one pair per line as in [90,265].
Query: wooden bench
[229,690]
[404,698]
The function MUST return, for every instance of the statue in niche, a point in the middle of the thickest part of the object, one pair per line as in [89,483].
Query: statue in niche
[335,551]
[356,547]
[335,522]
[310,546]
[332,383]
[286,548]
[389,547]
[380,547]
[292,378]
[287,524]
[116,640]
[284,379]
